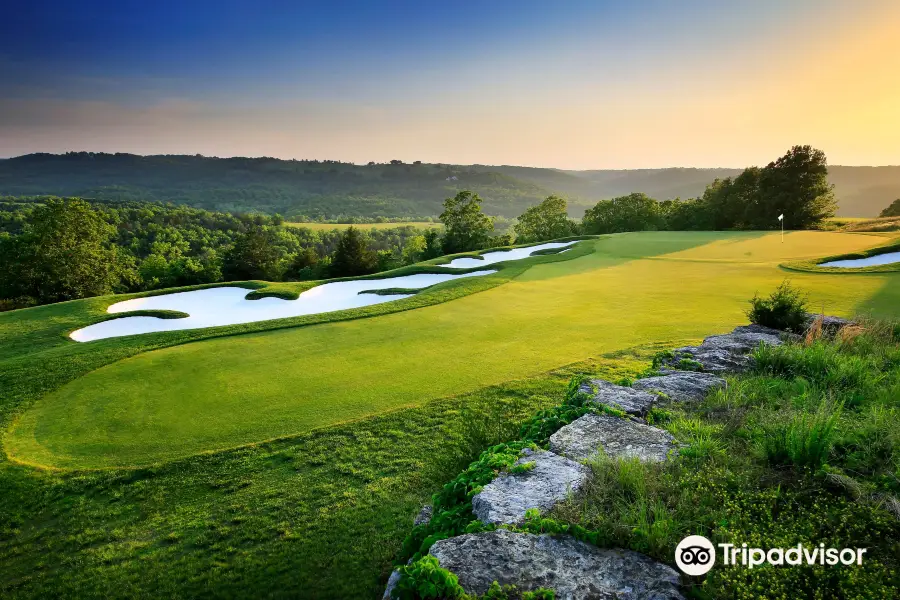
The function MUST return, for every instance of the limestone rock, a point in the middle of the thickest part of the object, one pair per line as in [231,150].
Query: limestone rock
[632,401]
[619,438]
[424,515]
[506,499]
[573,569]
[711,359]
[682,386]
[754,328]
[729,351]
[392,582]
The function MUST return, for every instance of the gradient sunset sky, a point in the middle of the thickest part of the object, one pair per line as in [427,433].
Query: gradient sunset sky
[578,85]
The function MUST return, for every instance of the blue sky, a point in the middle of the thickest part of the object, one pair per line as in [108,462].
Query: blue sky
[567,84]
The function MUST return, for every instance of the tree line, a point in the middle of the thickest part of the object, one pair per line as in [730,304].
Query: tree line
[55,249]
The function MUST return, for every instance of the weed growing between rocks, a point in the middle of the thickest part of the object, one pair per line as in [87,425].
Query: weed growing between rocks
[425,579]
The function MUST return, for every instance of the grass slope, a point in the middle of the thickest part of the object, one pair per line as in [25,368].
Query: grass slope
[236,390]
[320,515]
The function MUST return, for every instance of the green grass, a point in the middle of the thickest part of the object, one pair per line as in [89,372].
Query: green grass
[815,266]
[319,515]
[235,390]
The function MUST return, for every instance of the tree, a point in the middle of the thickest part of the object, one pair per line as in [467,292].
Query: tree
[545,221]
[893,210]
[352,256]
[795,185]
[64,253]
[254,255]
[732,202]
[634,212]
[414,249]
[466,227]
[434,245]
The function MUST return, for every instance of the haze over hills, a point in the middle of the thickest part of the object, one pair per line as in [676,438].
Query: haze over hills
[329,189]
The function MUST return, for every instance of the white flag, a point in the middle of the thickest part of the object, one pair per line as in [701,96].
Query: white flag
[781,217]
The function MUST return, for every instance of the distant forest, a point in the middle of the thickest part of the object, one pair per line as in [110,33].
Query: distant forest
[303,190]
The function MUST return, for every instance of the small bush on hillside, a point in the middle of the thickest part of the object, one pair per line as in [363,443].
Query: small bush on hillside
[784,309]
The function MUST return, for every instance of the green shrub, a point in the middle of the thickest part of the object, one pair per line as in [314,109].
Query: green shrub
[425,579]
[523,468]
[689,364]
[784,309]
[453,504]
[545,423]
[660,359]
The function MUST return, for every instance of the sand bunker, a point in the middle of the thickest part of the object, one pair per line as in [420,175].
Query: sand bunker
[872,261]
[490,258]
[228,305]
[214,307]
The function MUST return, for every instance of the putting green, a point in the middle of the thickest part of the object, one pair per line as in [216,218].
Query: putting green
[634,289]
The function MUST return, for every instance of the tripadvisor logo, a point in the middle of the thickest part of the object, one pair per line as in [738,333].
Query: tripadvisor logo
[696,555]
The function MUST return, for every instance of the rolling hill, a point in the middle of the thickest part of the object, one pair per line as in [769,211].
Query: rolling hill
[311,190]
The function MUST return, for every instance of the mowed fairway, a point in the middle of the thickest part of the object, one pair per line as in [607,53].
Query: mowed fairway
[635,289]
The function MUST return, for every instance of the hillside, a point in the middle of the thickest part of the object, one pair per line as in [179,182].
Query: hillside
[300,190]
[310,190]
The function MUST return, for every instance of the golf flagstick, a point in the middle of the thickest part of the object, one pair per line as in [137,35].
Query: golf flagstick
[781,218]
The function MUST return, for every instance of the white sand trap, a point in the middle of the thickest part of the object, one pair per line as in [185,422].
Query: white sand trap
[872,261]
[213,307]
[490,258]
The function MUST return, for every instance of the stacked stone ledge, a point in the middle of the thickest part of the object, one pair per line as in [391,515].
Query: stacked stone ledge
[576,570]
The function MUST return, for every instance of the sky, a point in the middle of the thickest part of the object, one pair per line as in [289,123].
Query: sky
[571,84]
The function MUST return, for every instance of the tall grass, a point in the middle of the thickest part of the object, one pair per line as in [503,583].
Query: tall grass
[826,364]
[805,440]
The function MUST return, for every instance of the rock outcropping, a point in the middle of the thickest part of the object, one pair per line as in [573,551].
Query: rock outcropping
[573,569]
[618,438]
[630,400]
[729,352]
[549,479]
[681,386]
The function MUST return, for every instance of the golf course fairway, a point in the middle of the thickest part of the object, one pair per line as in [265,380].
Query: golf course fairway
[633,289]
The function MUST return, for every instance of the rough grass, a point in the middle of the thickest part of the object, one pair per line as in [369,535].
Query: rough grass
[241,389]
[781,456]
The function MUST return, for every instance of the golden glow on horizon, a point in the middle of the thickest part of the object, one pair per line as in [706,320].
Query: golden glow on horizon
[839,92]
